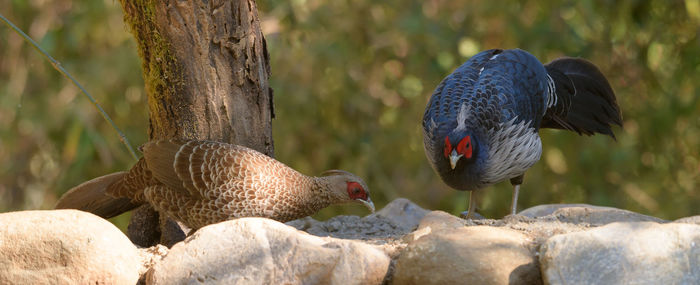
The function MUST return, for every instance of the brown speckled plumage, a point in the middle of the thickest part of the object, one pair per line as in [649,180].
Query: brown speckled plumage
[204,182]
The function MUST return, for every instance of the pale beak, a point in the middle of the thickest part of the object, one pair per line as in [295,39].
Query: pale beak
[454,157]
[367,204]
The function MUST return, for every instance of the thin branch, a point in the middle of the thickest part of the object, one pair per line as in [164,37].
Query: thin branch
[57,66]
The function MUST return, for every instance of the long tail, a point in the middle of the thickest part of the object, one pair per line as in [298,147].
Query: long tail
[91,197]
[583,102]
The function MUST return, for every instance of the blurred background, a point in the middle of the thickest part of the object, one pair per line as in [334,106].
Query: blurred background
[351,81]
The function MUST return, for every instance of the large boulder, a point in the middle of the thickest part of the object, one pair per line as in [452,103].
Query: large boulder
[624,253]
[64,247]
[263,251]
[401,244]
[467,255]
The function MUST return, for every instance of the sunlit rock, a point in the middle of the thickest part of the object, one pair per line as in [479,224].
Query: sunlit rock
[624,253]
[65,247]
[263,251]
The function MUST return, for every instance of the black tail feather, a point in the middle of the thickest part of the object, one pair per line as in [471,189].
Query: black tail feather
[586,103]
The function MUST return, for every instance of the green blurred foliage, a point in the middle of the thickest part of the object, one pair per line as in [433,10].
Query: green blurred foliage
[351,81]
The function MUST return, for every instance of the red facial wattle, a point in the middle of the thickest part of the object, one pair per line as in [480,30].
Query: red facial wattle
[448,147]
[465,147]
[355,191]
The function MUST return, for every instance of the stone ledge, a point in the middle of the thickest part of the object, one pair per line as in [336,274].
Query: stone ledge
[401,244]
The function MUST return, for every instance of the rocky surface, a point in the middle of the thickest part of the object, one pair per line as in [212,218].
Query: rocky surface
[548,209]
[65,247]
[263,251]
[400,244]
[624,253]
[468,255]
[689,220]
[600,216]
[396,219]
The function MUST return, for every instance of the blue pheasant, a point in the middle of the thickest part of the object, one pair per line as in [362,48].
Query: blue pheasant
[481,124]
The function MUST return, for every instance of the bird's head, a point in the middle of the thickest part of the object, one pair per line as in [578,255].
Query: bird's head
[347,187]
[458,147]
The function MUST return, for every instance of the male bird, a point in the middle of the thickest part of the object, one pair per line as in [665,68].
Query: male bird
[203,182]
[481,124]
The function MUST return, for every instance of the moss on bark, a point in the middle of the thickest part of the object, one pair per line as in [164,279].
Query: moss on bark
[161,70]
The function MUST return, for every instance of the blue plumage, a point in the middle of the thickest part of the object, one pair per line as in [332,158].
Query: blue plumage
[481,123]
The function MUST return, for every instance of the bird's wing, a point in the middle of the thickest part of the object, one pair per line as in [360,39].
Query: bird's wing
[510,98]
[495,86]
[218,170]
[161,157]
[208,165]
[515,83]
[451,95]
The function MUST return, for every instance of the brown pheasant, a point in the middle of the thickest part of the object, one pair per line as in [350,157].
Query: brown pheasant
[203,182]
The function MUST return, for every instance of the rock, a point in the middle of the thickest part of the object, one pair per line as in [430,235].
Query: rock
[354,227]
[599,217]
[548,209]
[150,256]
[398,218]
[302,224]
[689,220]
[263,251]
[624,253]
[583,213]
[438,220]
[468,255]
[64,247]
[403,213]
[434,221]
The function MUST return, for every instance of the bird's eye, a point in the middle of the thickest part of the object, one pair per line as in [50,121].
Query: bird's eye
[355,191]
[465,147]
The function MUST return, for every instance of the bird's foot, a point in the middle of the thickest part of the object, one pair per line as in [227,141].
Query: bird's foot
[515,218]
[469,216]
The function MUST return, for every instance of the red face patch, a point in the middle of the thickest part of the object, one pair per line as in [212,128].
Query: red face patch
[448,147]
[465,147]
[355,191]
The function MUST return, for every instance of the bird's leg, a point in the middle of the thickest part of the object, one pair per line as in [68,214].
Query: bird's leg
[514,202]
[472,206]
[515,181]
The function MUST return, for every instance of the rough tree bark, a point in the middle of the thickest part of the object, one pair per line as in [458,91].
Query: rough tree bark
[206,70]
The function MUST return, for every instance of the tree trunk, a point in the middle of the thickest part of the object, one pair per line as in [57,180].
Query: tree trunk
[206,70]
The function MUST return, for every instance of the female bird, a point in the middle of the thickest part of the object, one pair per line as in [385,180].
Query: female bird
[204,182]
[481,124]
